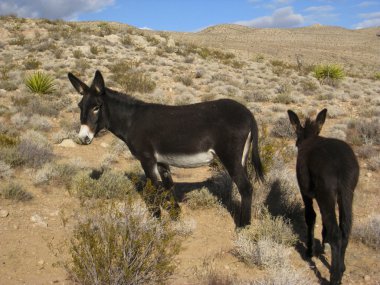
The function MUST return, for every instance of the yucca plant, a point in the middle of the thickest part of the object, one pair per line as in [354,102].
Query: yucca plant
[328,73]
[39,82]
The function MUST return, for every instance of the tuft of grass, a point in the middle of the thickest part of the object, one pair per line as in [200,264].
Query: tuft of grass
[264,253]
[40,83]
[376,76]
[368,231]
[201,199]
[329,74]
[32,63]
[16,192]
[121,244]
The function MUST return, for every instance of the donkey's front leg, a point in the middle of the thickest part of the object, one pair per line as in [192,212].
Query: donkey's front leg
[151,196]
[170,204]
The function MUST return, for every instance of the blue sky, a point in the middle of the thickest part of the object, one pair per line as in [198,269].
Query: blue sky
[188,16]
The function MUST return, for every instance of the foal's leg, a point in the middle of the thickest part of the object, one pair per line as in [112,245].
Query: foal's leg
[326,203]
[171,204]
[345,221]
[310,222]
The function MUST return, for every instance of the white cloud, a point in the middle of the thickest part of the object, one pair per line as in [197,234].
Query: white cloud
[370,20]
[281,18]
[366,4]
[52,9]
[319,9]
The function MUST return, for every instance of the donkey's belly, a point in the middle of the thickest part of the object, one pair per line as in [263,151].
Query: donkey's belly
[186,160]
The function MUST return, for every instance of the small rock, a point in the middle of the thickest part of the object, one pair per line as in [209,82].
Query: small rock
[36,219]
[68,143]
[367,278]
[369,174]
[41,262]
[4,213]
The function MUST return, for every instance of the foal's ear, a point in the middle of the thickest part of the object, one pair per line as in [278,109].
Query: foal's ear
[294,120]
[98,82]
[321,117]
[77,83]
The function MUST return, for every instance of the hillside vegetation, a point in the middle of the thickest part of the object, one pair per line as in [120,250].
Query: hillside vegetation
[73,213]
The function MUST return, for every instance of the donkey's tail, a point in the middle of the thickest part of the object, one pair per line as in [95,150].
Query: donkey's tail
[256,161]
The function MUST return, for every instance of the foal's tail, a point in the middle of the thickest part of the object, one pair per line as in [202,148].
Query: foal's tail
[256,161]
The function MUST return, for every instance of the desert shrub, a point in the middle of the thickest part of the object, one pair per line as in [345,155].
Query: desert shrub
[39,106]
[5,170]
[110,184]
[276,229]
[82,65]
[374,163]
[308,86]
[94,49]
[364,132]
[34,149]
[121,244]
[329,74]
[133,81]
[16,192]
[184,79]
[282,128]
[40,123]
[264,252]
[368,231]
[39,82]
[8,150]
[184,227]
[32,63]
[126,40]
[376,76]
[366,151]
[201,199]
[19,120]
[20,40]
[78,54]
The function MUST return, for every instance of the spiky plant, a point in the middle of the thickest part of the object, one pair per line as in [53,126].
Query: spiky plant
[40,83]
[328,73]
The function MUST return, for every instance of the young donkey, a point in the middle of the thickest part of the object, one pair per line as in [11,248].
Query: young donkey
[183,136]
[328,171]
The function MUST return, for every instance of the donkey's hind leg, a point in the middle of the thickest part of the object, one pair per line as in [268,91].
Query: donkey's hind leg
[240,177]
[326,203]
[310,222]
[170,203]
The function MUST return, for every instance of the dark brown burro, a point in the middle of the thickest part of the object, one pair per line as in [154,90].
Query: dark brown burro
[328,171]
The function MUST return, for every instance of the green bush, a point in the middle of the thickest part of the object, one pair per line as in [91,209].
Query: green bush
[121,244]
[376,76]
[328,73]
[41,83]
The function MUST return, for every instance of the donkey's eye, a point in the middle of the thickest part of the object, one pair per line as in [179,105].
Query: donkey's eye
[96,109]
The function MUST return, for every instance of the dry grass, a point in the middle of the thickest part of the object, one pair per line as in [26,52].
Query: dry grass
[368,231]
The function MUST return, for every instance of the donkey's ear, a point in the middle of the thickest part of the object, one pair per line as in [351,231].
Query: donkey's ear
[321,117]
[294,120]
[77,83]
[98,82]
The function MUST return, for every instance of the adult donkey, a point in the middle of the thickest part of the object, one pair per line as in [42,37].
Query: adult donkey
[182,136]
[328,171]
